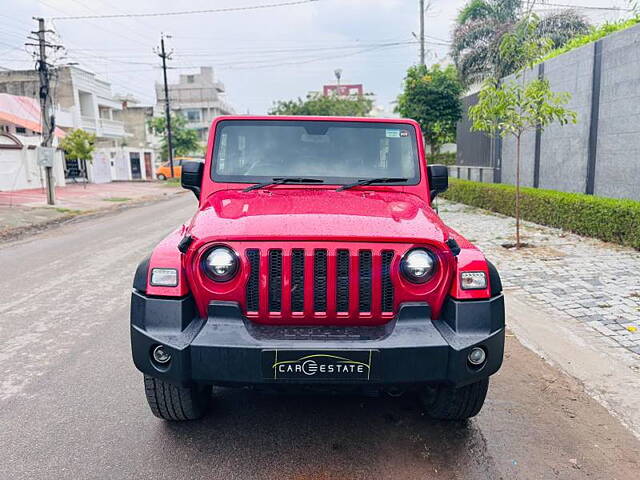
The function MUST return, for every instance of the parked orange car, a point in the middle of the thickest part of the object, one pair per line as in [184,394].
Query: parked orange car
[164,171]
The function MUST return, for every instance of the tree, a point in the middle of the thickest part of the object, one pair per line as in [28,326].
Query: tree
[481,26]
[79,145]
[431,97]
[515,106]
[185,140]
[330,105]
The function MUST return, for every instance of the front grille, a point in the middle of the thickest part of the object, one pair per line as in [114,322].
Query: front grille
[320,282]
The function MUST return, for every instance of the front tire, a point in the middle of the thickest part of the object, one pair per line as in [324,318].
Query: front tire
[161,176]
[176,403]
[446,402]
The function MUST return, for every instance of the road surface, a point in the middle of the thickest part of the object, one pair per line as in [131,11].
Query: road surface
[72,403]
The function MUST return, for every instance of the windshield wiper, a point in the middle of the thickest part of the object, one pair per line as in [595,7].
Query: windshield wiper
[369,181]
[280,181]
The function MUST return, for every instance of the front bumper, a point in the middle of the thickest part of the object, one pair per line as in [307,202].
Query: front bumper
[227,349]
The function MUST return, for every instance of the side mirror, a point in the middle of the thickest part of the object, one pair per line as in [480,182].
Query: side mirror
[438,176]
[192,176]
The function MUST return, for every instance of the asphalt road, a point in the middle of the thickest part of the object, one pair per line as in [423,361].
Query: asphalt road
[72,403]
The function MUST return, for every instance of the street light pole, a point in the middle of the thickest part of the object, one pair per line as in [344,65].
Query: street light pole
[421,32]
[167,105]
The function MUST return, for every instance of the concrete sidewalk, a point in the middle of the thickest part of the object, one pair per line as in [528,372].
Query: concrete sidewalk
[24,209]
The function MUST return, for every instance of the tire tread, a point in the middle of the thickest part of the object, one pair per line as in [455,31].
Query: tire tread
[451,403]
[174,402]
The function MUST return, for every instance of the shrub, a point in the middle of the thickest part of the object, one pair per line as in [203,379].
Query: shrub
[594,35]
[608,219]
[447,158]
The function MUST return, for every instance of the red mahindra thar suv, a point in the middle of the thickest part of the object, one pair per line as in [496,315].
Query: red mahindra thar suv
[315,260]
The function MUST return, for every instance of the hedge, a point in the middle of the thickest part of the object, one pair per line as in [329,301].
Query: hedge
[447,158]
[608,219]
[595,34]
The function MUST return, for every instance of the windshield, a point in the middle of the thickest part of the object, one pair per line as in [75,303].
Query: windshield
[248,151]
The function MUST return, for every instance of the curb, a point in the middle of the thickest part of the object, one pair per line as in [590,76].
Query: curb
[18,233]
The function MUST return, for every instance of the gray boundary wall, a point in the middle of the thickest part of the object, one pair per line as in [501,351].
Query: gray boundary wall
[601,153]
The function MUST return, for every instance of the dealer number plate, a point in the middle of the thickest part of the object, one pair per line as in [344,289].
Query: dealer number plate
[318,365]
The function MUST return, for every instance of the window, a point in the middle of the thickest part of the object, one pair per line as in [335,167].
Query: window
[248,151]
[190,78]
[193,115]
[21,130]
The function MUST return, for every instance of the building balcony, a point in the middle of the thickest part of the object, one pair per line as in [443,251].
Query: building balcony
[88,123]
[111,128]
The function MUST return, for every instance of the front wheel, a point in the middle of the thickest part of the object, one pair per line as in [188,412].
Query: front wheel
[173,402]
[446,402]
[161,176]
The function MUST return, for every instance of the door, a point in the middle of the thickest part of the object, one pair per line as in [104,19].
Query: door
[147,165]
[136,172]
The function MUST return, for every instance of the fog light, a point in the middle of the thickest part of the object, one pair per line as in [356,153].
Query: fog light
[161,355]
[477,356]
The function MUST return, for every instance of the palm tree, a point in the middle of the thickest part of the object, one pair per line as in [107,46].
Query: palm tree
[482,24]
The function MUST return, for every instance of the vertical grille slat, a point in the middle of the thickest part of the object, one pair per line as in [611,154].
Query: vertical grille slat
[252,293]
[387,285]
[320,281]
[364,267]
[275,280]
[342,281]
[297,280]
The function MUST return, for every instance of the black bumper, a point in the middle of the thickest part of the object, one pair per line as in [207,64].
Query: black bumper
[226,349]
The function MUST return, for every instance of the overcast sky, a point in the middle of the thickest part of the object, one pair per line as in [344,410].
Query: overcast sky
[261,55]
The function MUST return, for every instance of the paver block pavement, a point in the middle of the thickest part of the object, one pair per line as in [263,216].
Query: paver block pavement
[596,283]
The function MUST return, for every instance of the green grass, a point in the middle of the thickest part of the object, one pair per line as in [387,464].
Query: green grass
[171,182]
[68,211]
[608,219]
[116,199]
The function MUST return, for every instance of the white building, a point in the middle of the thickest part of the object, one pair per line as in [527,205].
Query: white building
[19,139]
[84,101]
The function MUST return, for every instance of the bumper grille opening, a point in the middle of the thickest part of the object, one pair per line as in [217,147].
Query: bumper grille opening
[342,281]
[320,281]
[365,281]
[253,286]
[297,280]
[387,285]
[275,280]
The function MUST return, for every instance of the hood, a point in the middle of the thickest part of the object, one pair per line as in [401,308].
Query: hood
[312,214]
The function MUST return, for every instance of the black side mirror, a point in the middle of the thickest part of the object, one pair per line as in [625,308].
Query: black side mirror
[438,176]
[192,176]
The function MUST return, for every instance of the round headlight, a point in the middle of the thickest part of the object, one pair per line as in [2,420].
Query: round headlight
[220,264]
[418,265]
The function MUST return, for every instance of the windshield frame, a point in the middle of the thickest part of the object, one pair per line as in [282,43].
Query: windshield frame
[246,179]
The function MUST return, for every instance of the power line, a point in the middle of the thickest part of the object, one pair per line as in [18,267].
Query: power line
[189,12]
[584,7]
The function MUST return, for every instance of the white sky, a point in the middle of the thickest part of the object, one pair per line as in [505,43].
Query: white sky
[261,55]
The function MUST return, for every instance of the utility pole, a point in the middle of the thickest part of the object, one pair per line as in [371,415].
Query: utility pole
[167,107]
[46,110]
[421,32]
